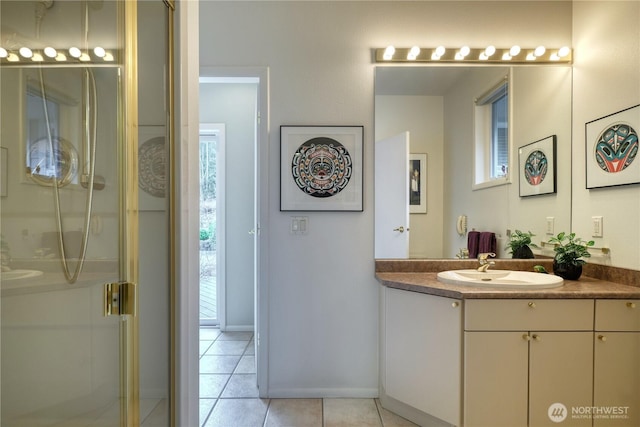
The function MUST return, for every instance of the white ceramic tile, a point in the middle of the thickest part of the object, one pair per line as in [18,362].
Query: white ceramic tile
[235,336]
[294,413]
[209,334]
[247,365]
[218,364]
[238,413]
[211,385]
[351,412]
[241,385]
[206,405]
[227,348]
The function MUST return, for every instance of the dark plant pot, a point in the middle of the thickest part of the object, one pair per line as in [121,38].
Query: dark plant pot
[523,252]
[567,271]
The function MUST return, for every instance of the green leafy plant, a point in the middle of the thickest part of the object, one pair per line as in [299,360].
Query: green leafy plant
[520,244]
[571,250]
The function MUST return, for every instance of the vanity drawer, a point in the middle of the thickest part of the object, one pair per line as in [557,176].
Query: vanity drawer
[618,315]
[529,315]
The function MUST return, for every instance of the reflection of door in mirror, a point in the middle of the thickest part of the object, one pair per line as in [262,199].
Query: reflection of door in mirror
[391,181]
[436,105]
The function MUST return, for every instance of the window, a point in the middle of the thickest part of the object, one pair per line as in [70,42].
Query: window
[492,137]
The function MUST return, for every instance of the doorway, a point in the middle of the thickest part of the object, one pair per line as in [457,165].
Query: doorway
[225,96]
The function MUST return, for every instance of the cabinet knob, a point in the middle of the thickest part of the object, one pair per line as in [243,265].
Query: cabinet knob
[536,337]
[631,304]
[455,304]
[526,337]
[602,338]
[532,304]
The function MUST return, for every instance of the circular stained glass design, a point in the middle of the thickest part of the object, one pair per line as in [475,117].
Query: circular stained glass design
[616,147]
[152,174]
[321,167]
[535,167]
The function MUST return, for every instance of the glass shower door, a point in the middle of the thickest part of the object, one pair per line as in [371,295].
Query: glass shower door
[68,211]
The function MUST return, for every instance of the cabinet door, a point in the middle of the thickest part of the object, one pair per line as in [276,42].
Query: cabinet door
[495,379]
[423,352]
[560,372]
[616,388]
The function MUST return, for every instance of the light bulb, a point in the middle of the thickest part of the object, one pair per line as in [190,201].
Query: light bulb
[464,51]
[506,56]
[564,51]
[539,51]
[50,52]
[490,50]
[514,51]
[3,52]
[61,57]
[413,53]
[75,52]
[25,52]
[99,52]
[440,50]
[388,53]
[37,57]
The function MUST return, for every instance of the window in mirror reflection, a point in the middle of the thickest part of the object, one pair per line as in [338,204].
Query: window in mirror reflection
[492,136]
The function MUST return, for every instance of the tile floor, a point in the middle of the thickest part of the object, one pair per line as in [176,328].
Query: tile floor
[229,396]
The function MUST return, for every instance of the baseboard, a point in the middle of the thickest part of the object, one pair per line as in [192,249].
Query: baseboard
[318,393]
[237,328]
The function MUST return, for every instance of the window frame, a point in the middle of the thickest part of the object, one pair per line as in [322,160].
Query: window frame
[484,142]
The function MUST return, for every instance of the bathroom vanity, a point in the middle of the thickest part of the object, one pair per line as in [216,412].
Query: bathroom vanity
[477,356]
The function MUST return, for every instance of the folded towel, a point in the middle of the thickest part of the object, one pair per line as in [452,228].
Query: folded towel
[473,240]
[487,242]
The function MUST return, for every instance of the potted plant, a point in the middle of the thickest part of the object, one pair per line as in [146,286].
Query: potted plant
[570,253]
[520,245]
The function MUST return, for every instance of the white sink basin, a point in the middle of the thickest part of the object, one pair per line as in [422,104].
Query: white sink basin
[19,274]
[501,279]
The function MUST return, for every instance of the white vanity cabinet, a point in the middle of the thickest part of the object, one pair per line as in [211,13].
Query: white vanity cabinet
[422,353]
[617,363]
[523,356]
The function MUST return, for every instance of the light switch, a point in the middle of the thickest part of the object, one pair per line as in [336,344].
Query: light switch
[550,221]
[299,225]
[597,226]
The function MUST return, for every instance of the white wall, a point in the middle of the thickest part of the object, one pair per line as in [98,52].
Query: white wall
[235,106]
[423,117]
[323,301]
[606,80]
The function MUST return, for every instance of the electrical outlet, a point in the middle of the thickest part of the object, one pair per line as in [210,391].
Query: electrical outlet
[597,226]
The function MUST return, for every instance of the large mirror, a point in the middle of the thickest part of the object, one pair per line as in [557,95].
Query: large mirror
[436,105]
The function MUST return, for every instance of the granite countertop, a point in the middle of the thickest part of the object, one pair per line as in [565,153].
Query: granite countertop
[420,276]
[584,288]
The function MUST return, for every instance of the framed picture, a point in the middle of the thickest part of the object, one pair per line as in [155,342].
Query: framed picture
[612,149]
[152,168]
[417,183]
[321,168]
[537,167]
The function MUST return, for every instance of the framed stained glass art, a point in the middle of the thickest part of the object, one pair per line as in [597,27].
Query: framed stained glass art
[321,168]
[611,144]
[537,167]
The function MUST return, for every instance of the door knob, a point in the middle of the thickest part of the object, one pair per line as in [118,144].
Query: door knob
[400,229]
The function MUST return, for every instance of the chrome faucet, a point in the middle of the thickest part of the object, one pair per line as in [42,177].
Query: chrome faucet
[484,263]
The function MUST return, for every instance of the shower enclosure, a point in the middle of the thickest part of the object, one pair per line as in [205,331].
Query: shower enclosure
[79,173]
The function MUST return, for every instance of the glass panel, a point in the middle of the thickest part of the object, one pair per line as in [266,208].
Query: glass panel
[60,217]
[208,228]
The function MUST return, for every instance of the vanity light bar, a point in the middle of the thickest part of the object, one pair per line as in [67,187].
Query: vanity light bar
[50,55]
[465,54]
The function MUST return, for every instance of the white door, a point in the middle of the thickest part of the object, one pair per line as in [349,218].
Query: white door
[391,180]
